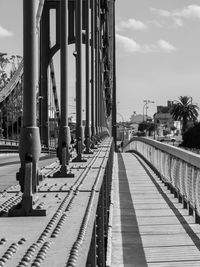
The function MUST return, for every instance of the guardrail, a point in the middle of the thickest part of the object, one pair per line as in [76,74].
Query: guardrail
[12,146]
[178,169]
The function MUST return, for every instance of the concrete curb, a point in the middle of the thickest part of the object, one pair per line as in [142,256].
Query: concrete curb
[110,223]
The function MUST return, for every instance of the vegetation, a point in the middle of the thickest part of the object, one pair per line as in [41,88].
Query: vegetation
[14,61]
[185,111]
[191,138]
[147,126]
[3,63]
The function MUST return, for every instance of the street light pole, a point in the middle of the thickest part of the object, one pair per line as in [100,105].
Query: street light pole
[146,105]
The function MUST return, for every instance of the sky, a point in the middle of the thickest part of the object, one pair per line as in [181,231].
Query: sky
[157,50]
[158,55]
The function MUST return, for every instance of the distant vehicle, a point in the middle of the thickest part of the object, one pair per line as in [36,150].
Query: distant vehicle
[141,134]
[166,139]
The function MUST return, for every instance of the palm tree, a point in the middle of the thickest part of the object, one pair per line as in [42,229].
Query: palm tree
[184,110]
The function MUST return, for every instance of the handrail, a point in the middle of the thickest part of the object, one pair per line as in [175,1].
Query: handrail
[182,154]
[178,168]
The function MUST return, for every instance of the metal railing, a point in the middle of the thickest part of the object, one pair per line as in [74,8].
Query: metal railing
[12,146]
[179,169]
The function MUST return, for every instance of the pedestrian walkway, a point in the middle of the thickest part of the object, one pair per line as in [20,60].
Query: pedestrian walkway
[149,226]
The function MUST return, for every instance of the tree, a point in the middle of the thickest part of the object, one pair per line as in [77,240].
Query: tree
[143,126]
[147,126]
[191,138]
[185,111]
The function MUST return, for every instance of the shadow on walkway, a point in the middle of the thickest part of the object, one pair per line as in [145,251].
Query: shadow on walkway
[133,253]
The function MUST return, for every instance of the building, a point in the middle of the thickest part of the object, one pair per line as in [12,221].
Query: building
[164,121]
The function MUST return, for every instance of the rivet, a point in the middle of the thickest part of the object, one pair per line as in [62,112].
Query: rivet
[9,253]
[6,256]
[43,250]
[11,249]
[41,256]
[2,262]
[23,264]
[31,250]
[71,263]
[37,260]
[26,258]
[21,241]
[54,235]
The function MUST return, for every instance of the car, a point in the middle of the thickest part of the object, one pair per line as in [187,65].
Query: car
[166,138]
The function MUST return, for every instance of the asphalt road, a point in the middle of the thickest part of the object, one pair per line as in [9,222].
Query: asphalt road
[10,164]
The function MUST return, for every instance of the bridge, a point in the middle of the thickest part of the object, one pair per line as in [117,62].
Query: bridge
[67,196]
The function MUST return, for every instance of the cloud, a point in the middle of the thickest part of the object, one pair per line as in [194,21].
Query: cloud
[178,22]
[129,45]
[4,33]
[131,24]
[155,23]
[160,12]
[166,46]
[189,12]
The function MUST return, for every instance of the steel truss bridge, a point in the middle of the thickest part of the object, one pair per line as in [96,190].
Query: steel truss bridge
[79,203]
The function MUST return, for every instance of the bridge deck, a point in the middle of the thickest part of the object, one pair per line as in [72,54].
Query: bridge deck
[70,205]
[149,226]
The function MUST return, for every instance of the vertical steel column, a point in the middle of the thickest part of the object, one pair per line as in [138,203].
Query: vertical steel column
[92,255]
[29,148]
[87,80]
[64,130]
[114,111]
[100,69]
[96,69]
[92,70]
[93,109]
[43,90]
[78,38]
